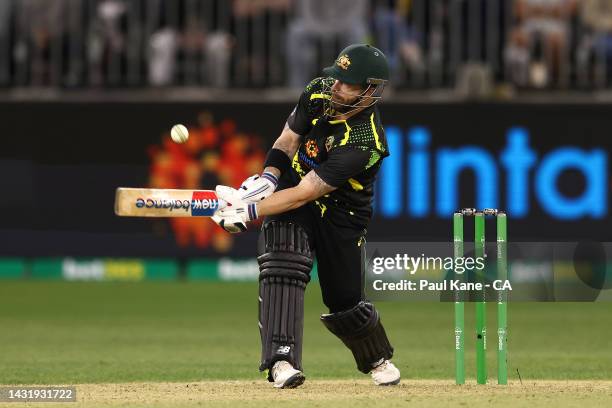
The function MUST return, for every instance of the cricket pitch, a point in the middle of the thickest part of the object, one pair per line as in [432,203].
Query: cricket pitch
[357,393]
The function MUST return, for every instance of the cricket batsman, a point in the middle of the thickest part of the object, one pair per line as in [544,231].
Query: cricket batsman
[315,195]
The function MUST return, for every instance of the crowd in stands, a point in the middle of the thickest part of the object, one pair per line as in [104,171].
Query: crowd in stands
[528,44]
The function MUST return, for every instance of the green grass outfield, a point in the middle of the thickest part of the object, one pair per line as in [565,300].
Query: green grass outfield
[62,332]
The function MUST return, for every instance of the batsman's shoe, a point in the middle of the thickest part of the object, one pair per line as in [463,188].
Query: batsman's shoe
[285,376]
[386,374]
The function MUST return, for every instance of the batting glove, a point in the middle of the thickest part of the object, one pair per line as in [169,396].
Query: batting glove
[237,212]
[257,187]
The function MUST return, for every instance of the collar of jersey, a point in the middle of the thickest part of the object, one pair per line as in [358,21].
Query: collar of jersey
[361,116]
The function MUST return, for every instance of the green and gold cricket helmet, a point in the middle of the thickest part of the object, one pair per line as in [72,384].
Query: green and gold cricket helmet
[360,64]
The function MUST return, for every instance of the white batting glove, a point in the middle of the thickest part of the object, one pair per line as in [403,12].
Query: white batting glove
[234,216]
[257,187]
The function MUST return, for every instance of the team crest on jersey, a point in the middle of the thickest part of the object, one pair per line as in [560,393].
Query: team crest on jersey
[343,62]
[329,143]
[312,150]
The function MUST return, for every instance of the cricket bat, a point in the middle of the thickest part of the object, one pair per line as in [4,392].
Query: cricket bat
[152,202]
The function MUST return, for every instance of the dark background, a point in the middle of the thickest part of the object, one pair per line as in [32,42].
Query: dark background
[60,164]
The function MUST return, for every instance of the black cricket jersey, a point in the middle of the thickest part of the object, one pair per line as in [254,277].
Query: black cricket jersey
[346,154]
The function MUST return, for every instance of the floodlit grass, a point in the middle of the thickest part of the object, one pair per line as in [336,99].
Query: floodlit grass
[62,332]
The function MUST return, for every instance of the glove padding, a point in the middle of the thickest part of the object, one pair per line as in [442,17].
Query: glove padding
[257,187]
[236,213]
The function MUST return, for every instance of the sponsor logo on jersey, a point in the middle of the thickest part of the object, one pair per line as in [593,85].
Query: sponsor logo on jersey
[308,162]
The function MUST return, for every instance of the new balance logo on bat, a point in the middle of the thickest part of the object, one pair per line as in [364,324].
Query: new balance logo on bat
[201,203]
[163,203]
[204,203]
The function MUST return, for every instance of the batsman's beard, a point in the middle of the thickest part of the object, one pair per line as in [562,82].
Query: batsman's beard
[337,107]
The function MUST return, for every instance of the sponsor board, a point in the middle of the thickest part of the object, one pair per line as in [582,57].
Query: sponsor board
[103,269]
[12,268]
[243,270]
[423,176]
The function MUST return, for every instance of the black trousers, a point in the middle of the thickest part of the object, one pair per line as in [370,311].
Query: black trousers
[340,253]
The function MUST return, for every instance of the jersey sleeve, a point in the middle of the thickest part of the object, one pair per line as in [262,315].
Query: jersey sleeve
[343,163]
[300,120]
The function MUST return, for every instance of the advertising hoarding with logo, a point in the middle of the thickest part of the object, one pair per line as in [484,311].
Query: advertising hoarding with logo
[546,165]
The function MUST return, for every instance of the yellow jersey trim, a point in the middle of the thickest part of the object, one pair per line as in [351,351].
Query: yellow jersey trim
[355,184]
[346,134]
[319,96]
[295,163]
[375,132]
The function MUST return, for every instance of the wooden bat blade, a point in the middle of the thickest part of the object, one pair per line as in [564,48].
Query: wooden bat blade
[152,202]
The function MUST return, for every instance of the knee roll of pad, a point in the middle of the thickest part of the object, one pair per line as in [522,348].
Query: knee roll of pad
[285,261]
[361,331]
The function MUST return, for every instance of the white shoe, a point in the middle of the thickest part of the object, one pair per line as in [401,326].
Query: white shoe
[285,376]
[385,374]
